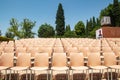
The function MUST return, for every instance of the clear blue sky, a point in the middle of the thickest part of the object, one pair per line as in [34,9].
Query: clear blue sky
[44,11]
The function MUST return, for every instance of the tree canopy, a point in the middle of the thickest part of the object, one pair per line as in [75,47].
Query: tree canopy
[21,30]
[80,28]
[46,30]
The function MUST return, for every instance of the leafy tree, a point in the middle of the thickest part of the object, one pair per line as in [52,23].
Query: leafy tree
[80,29]
[21,31]
[116,12]
[70,34]
[60,21]
[9,35]
[91,26]
[0,33]
[46,30]
[67,28]
[108,11]
[26,28]
[98,22]
[112,10]
[93,32]
[14,27]
[93,22]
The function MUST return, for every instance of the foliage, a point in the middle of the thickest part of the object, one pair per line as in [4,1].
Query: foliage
[80,28]
[14,27]
[26,28]
[9,35]
[93,32]
[91,26]
[60,21]
[112,10]
[46,30]
[107,11]
[67,28]
[0,33]
[22,30]
[70,34]
[5,39]
[116,12]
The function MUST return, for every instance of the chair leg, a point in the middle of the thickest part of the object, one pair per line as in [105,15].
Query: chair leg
[91,74]
[72,74]
[47,74]
[26,75]
[5,74]
[10,75]
[118,74]
[111,74]
[30,74]
[68,74]
[51,74]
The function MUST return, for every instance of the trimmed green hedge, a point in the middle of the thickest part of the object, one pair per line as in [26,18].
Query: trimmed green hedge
[5,39]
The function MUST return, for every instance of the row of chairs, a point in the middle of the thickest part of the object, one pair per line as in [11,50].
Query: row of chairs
[59,62]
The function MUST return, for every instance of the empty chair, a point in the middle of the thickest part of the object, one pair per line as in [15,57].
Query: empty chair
[77,63]
[32,51]
[58,49]
[94,62]
[9,49]
[6,61]
[41,63]
[111,62]
[71,50]
[48,50]
[20,50]
[22,64]
[59,63]
[95,49]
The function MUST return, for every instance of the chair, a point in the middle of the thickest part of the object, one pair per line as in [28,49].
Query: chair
[58,49]
[9,49]
[59,63]
[94,62]
[22,64]
[41,63]
[111,62]
[77,63]
[6,61]
[20,50]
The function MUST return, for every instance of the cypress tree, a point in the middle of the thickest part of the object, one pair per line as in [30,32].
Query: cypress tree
[116,12]
[60,21]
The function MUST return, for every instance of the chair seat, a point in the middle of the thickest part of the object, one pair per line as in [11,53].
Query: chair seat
[98,67]
[115,66]
[19,68]
[79,68]
[39,68]
[3,67]
[60,68]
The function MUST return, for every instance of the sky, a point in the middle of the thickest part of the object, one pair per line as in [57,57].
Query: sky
[44,11]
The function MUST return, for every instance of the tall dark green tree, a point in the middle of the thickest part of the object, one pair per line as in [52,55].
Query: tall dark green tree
[0,33]
[67,28]
[116,12]
[91,26]
[60,21]
[86,29]
[93,22]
